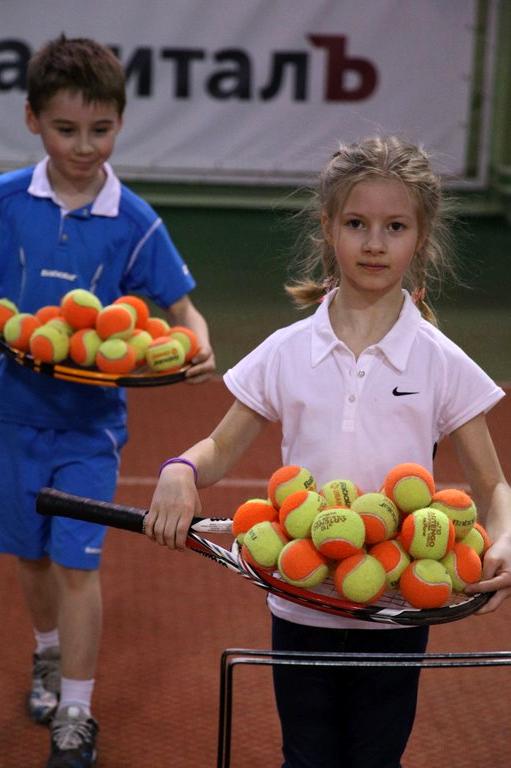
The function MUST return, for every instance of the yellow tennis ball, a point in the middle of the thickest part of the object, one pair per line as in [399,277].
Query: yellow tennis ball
[427,533]
[114,356]
[80,308]
[140,307]
[297,512]
[360,578]
[83,347]
[165,354]
[379,514]
[249,513]
[48,312]
[410,486]
[463,565]
[264,542]
[459,507]
[49,345]
[157,327]
[340,493]
[394,559]
[287,480]
[116,321]
[60,322]
[7,309]
[188,339]
[425,583]
[19,328]
[478,539]
[301,564]
[337,532]
[140,341]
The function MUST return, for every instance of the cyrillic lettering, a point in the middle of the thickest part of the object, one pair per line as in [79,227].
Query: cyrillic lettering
[183,58]
[231,83]
[13,72]
[338,65]
[280,61]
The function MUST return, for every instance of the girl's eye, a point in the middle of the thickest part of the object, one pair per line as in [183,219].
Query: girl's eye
[396,226]
[354,223]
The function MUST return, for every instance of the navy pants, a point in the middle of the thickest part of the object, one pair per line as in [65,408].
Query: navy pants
[345,717]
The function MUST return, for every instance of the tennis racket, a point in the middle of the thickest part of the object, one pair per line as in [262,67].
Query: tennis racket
[141,377]
[390,609]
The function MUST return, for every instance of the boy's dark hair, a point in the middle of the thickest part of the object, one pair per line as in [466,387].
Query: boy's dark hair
[79,65]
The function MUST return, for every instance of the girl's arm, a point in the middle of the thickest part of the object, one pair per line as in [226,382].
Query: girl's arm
[492,495]
[176,500]
[184,312]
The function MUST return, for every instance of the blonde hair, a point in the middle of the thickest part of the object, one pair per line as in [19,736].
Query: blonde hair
[377,158]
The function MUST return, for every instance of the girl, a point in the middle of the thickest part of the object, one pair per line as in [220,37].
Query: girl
[364,383]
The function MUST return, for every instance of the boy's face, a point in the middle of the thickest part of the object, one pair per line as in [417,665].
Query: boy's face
[78,137]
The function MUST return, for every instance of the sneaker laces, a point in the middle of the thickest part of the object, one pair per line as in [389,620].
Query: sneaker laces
[70,733]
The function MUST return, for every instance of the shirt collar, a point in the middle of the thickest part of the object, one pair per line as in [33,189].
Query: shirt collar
[396,345]
[106,202]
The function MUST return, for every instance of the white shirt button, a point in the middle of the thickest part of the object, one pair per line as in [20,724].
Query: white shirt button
[361,374]
[352,398]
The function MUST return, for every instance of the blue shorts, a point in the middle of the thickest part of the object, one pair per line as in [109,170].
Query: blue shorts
[84,462]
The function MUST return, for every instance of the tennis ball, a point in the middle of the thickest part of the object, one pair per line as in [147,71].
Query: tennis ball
[19,328]
[249,513]
[157,326]
[7,309]
[80,308]
[165,354]
[188,339]
[459,507]
[340,493]
[463,565]
[478,539]
[49,345]
[265,541]
[379,514]
[301,564]
[114,356]
[115,322]
[83,347]
[394,559]
[140,307]
[427,533]
[48,312]
[360,578]
[140,341]
[287,480]
[425,583]
[60,322]
[410,486]
[297,512]
[338,532]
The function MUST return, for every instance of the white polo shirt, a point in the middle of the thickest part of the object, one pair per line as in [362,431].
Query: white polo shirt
[351,418]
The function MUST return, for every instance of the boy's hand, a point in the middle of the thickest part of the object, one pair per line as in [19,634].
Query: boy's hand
[202,368]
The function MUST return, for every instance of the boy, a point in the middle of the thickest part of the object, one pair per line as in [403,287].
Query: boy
[69,223]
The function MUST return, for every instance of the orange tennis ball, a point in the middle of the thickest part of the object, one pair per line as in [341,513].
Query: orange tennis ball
[48,312]
[478,539]
[463,565]
[80,308]
[394,559]
[7,309]
[338,532]
[188,339]
[157,327]
[287,480]
[301,564]
[140,307]
[114,356]
[19,328]
[265,541]
[83,347]
[340,493]
[297,512]
[115,322]
[410,486]
[49,345]
[427,533]
[380,516]
[60,322]
[360,578]
[249,513]
[459,507]
[165,354]
[425,584]
[140,341]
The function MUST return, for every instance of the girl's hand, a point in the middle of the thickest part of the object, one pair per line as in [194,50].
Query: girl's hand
[496,576]
[175,502]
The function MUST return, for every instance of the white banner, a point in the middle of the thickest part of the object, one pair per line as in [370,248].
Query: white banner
[261,90]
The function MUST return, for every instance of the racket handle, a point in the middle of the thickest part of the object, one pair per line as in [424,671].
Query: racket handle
[57,503]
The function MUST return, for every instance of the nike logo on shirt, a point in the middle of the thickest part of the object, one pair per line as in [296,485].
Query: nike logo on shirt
[397,393]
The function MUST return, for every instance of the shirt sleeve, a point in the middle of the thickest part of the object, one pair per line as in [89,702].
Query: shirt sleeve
[253,380]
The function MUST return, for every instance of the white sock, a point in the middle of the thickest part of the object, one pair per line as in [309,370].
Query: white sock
[76,693]
[45,640]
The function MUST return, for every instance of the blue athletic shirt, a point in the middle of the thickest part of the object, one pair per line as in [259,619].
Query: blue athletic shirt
[114,246]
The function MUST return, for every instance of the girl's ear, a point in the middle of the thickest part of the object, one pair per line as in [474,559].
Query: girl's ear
[326,226]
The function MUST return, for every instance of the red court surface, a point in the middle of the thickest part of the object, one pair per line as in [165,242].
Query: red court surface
[168,617]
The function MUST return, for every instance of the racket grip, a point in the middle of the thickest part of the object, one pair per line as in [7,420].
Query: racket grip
[52,502]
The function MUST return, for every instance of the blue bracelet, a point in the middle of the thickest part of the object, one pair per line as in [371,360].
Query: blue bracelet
[179,460]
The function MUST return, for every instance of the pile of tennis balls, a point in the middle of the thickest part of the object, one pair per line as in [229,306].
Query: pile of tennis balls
[116,338]
[406,537]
